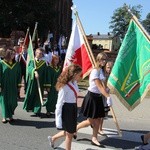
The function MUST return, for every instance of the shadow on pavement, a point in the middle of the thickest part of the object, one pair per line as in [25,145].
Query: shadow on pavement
[121,142]
[37,124]
[59,148]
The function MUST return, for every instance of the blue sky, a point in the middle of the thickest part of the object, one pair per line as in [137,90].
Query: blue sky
[95,15]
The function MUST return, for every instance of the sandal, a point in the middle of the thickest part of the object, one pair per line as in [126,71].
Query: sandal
[51,143]
[101,132]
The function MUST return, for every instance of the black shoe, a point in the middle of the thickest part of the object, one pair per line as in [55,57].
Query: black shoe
[142,138]
[102,146]
[38,115]
[48,114]
[11,120]
[75,136]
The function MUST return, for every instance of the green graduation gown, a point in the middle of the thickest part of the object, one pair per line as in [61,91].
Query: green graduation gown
[53,74]
[10,81]
[32,99]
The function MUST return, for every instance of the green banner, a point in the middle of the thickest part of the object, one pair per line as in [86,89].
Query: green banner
[30,50]
[130,75]
[30,56]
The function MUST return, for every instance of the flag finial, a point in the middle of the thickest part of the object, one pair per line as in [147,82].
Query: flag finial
[74,9]
[36,23]
[128,9]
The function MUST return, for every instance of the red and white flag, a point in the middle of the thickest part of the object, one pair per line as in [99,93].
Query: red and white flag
[77,52]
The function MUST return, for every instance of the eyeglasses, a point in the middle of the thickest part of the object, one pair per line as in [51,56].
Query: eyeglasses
[103,59]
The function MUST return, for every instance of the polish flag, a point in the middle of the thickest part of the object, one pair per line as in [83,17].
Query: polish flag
[77,52]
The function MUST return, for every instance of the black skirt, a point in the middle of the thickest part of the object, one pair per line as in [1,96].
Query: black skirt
[69,117]
[92,106]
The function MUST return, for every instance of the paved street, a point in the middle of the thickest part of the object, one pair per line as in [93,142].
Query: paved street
[30,133]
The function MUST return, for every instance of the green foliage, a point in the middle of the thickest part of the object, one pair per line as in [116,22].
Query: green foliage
[146,23]
[121,18]
[21,14]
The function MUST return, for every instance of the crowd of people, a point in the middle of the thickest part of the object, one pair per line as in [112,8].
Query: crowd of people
[40,75]
[45,73]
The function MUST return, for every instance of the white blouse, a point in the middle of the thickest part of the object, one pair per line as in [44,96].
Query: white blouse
[95,74]
[65,95]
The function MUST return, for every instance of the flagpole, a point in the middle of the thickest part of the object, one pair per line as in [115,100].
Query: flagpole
[115,120]
[34,29]
[85,38]
[138,23]
[26,36]
[92,59]
[24,43]
[37,79]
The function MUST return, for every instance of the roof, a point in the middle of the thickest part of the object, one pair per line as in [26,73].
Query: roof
[102,36]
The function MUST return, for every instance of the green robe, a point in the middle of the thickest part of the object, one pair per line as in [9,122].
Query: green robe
[53,74]
[10,81]
[32,99]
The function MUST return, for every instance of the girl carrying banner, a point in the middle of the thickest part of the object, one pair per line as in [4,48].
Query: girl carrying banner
[92,106]
[104,77]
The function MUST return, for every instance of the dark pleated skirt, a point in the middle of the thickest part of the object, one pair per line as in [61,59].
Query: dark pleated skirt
[92,106]
[69,117]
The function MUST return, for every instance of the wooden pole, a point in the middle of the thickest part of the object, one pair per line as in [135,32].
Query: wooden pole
[139,24]
[24,43]
[26,36]
[115,120]
[35,28]
[38,83]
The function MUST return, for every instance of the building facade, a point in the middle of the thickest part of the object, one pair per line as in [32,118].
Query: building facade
[106,41]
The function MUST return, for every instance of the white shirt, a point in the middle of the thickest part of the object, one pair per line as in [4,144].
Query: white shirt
[48,57]
[67,95]
[55,52]
[95,74]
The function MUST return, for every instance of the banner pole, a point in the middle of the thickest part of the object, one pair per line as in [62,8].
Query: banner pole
[115,120]
[24,43]
[38,83]
[34,30]
[138,23]
[26,36]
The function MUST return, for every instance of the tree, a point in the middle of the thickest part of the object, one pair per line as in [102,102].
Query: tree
[146,23]
[121,18]
[21,14]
